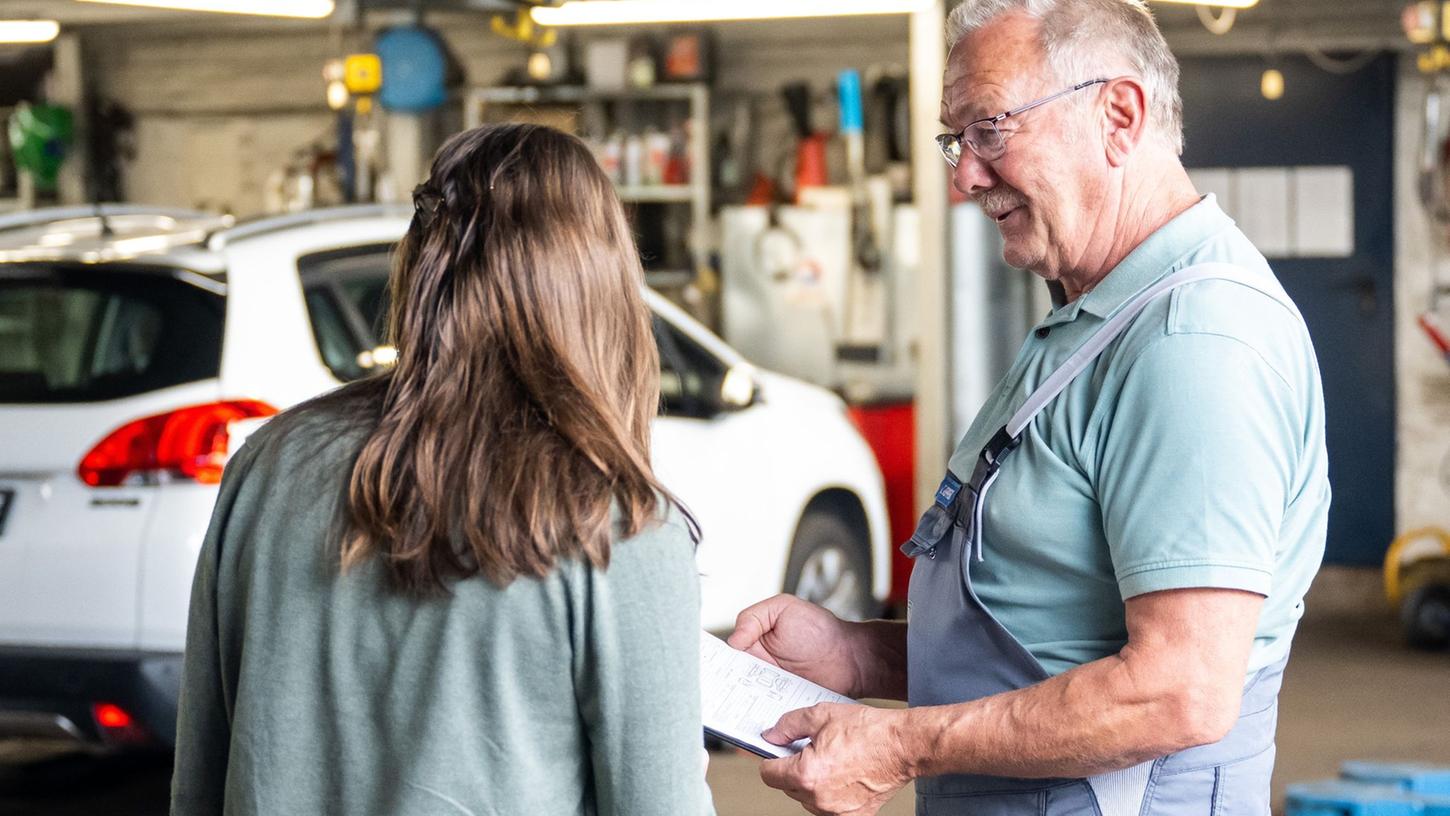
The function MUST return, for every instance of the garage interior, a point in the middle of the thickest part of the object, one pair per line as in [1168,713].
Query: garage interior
[786,194]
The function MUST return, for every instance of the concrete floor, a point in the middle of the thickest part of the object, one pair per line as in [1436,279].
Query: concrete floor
[1351,692]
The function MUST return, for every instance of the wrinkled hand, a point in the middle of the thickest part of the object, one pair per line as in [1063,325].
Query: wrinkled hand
[801,638]
[854,763]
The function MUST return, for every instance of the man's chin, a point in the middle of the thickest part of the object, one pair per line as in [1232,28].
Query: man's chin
[1021,257]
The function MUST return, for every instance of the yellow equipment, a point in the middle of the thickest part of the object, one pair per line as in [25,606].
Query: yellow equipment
[362,74]
[1417,582]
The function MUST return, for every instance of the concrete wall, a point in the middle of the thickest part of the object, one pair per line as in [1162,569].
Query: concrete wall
[1422,257]
[218,111]
[215,115]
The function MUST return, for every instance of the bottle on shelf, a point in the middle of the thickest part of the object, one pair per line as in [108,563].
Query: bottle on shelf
[657,156]
[677,166]
[611,157]
[633,160]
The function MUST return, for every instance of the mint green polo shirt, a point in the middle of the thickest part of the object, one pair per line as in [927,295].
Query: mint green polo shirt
[1189,454]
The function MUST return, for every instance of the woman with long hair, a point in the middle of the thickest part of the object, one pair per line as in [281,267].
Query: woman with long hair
[457,587]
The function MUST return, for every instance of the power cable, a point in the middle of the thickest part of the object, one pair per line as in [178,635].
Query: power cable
[1349,65]
[1220,25]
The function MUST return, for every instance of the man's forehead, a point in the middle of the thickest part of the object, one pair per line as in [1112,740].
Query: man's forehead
[970,98]
[971,95]
[989,68]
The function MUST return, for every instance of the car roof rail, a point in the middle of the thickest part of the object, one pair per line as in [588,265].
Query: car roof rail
[276,223]
[45,215]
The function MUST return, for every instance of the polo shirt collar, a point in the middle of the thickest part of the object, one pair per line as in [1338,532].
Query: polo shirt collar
[1149,261]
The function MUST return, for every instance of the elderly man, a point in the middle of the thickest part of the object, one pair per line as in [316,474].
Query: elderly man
[1106,586]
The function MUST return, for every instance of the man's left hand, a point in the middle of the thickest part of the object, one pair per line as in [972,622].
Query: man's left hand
[854,763]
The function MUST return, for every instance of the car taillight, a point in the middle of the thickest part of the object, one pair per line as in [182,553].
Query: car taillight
[117,726]
[109,715]
[191,443]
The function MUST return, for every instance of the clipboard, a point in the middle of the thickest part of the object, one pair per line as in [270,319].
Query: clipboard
[741,744]
[742,696]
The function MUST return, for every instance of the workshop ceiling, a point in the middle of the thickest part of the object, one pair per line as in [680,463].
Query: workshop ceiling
[1290,24]
[73,13]
[1272,24]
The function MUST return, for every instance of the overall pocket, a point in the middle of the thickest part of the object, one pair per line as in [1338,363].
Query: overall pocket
[1243,786]
[934,524]
[1067,798]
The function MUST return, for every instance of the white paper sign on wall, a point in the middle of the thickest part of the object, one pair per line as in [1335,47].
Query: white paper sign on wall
[1288,212]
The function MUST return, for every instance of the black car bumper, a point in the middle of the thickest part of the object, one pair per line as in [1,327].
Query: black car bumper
[53,692]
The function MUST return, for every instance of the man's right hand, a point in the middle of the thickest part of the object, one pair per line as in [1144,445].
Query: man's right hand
[803,639]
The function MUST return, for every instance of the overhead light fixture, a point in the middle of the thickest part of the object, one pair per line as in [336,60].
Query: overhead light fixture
[1233,4]
[1271,84]
[337,95]
[304,9]
[28,31]
[627,12]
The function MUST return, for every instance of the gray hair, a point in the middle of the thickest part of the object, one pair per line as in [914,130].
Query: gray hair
[1080,39]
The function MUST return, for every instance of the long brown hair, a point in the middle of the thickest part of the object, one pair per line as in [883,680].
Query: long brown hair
[515,426]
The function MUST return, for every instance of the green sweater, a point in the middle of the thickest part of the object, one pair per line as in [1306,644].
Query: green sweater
[306,691]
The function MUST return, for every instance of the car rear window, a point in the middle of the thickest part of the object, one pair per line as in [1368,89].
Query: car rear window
[80,334]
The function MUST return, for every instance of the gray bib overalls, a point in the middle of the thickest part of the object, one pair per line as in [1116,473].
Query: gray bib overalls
[957,651]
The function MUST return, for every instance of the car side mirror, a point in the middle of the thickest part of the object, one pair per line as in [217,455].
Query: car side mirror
[380,357]
[738,388]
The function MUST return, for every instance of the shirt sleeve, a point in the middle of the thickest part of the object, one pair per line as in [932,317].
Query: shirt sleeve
[1194,467]
[203,717]
[638,677]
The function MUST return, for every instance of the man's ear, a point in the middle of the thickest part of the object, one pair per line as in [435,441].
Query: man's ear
[1125,118]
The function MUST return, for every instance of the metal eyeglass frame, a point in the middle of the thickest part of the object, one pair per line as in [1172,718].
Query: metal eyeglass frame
[951,143]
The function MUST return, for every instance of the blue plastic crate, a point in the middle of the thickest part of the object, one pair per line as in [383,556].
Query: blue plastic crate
[1411,776]
[1339,798]
[1429,805]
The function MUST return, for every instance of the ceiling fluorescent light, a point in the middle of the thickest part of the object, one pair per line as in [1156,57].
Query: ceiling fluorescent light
[626,12]
[28,31]
[1233,4]
[306,9]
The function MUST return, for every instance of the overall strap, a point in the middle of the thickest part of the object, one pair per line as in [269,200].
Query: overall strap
[1116,325]
[1009,436]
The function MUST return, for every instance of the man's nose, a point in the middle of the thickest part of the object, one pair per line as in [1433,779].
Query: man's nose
[973,175]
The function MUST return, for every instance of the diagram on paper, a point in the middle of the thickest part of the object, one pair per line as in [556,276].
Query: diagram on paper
[743,696]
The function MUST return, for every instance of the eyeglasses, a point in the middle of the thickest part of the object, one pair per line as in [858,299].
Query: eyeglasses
[983,137]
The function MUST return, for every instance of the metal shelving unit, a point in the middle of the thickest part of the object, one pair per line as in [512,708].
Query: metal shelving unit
[658,194]
[481,105]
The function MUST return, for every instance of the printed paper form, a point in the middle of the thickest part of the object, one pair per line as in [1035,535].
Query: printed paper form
[742,695]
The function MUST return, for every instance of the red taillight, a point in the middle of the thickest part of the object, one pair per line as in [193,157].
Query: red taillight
[117,726]
[112,716]
[189,442]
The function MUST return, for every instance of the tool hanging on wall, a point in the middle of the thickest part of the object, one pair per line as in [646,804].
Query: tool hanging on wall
[1434,194]
[111,145]
[1424,24]
[863,233]
[352,84]
[865,324]
[810,156]
[888,131]
[1438,333]
[734,166]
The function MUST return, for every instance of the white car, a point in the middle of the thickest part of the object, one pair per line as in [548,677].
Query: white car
[138,347]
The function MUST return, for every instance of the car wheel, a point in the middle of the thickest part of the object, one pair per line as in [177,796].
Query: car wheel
[829,566]
[1426,616]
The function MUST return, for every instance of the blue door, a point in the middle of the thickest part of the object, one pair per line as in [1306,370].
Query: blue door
[1341,120]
